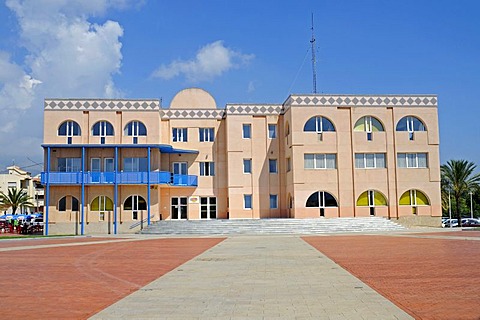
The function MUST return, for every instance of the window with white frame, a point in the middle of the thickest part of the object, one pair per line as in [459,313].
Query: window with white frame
[247,201]
[412,160]
[180,134]
[135,164]
[247,165]
[369,160]
[272,131]
[207,168]
[273,201]
[246,131]
[69,164]
[320,161]
[206,134]
[272,166]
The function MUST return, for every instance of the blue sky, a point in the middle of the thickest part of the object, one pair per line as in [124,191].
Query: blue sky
[239,51]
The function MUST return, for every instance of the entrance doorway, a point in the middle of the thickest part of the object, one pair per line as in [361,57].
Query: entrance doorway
[179,208]
[208,208]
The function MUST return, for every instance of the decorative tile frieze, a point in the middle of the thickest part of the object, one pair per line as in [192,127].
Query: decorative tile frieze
[253,109]
[192,114]
[362,100]
[101,104]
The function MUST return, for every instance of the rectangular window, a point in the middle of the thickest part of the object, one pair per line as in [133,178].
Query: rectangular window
[247,201]
[272,131]
[12,184]
[320,161]
[369,160]
[207,169]
[179,135]
[289,164]
[135,164]
[272,166]
[273,201]
[69,164]
[412,160]
[109,165]
[247,165]
[206,134]
[247,131]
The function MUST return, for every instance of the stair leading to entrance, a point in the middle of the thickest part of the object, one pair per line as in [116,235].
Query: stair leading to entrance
[272,226]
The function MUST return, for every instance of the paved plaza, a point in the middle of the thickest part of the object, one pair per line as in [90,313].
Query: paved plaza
[388,276]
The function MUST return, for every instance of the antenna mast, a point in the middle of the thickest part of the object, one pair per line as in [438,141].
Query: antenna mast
[314,61]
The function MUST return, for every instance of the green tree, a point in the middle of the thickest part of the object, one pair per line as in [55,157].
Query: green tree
[460,179]
[15,198]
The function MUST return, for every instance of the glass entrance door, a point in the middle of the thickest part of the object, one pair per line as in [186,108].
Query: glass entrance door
[208,208]
[179,208]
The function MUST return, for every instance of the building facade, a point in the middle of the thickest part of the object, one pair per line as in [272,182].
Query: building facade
[114,165]
[15,177]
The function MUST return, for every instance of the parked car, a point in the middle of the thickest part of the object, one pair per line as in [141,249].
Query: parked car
[37,222]
[450,223]
[469,222]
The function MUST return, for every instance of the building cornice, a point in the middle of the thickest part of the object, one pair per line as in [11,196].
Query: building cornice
[102,104]
[254,109]
[167,114]
[350,100]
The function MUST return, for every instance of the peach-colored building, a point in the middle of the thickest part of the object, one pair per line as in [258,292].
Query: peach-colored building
[114,165]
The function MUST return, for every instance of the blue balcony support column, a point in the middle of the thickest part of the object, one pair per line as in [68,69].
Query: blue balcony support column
[82,228]
[115,191]
[47,191]
[148,185]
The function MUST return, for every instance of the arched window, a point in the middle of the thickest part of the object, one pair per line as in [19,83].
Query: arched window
[62,204]
[368,124]
[410,124]
[102,129]
[414,198]
[371,198]
[135,203]
[321,199]
[102,204]
[135,129]
[69,129]
[318,124]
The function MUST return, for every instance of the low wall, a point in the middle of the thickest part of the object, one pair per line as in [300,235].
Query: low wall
[420,221]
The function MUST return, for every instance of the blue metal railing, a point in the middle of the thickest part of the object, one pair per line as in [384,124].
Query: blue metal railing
[156,177]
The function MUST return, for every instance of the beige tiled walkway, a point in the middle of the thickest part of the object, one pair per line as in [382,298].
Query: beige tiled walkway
[265,277]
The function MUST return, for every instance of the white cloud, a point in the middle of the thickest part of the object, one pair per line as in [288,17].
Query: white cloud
[211,61]
[67,56]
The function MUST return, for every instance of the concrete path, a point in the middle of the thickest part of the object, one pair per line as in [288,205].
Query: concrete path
[264,277]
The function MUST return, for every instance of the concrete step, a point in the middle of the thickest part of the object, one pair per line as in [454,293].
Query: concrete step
[273,226]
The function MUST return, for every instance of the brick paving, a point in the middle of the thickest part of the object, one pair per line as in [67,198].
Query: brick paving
[75,282]
[430,278]
[456,233]
[25,242]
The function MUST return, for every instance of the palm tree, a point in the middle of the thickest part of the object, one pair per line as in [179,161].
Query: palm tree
[15,198]
[459,176]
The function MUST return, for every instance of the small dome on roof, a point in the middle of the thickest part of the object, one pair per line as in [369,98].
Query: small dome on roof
[193,98]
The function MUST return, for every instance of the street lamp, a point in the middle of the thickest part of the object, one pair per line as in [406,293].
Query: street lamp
[471,204]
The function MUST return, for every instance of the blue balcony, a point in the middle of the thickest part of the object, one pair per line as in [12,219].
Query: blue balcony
[94,178]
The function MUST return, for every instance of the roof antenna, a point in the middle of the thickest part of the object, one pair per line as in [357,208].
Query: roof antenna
[314,61]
